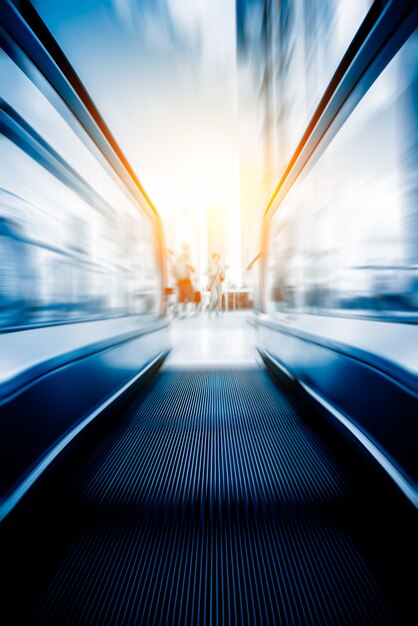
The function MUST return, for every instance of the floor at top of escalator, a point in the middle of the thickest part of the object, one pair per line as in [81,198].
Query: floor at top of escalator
[212,497]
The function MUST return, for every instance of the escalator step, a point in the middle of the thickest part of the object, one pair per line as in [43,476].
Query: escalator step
[289,571]
[213,438]
[211,501]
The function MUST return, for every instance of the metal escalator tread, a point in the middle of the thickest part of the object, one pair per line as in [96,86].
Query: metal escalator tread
[213,437]
[214,503]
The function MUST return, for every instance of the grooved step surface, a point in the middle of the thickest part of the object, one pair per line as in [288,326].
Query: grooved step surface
[211,501]
[217,438]
[289,571]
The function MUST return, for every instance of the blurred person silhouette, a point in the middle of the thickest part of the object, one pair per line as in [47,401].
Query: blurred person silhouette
[184,270]
[197,295]
[216,273]
[170,291]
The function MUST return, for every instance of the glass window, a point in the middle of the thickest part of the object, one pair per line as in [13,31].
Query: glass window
[346,236]
[310,39]
[69,251]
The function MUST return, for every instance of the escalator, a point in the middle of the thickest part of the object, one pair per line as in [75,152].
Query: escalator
[205,495]
[210,497]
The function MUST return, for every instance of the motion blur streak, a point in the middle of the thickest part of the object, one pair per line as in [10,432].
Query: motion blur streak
[208,389]
[73,245]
